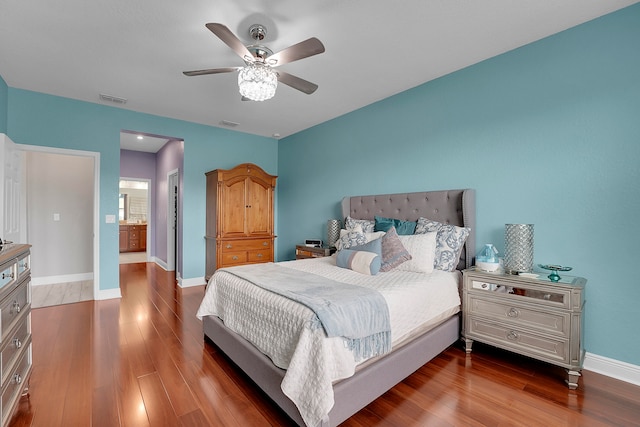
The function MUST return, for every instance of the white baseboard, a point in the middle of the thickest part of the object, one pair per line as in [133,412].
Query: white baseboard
[612,368]
[65,278]
[108,294]
[187,283]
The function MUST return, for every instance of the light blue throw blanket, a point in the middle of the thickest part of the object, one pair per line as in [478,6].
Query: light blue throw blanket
[358,314]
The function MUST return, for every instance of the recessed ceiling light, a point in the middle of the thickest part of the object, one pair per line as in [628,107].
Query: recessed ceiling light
[140,137]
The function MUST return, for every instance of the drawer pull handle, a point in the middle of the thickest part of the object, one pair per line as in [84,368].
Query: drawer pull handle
[17,343]
[229,246]
[513,312]
[512,335]
[5,275]
[25,266]
[265,243]
[16,306]
[259,255]
[17,378]
[235,257]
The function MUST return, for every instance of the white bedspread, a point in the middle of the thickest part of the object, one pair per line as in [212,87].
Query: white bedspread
[279,327]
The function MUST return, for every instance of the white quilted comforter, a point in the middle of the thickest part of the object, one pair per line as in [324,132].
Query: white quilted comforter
[279,327]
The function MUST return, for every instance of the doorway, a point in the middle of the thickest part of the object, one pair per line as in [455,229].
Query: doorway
[134,216]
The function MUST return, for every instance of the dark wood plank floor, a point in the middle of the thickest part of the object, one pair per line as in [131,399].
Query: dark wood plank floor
[142,361]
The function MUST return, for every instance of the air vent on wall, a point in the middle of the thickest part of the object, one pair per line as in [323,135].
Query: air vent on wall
[229,123]
[114,99]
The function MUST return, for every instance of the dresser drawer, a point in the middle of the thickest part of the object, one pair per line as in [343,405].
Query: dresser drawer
[259,256]
[15,343]
[518,315]
[11,307]
[233,258]
[554,350]
[8,275]
[15,385]
[246,245]
[23,266]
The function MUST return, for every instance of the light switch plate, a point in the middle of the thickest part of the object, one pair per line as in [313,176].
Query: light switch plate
[110,219]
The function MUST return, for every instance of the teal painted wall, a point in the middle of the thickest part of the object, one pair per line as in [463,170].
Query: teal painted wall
[4,105]
[547,134]
[44,120]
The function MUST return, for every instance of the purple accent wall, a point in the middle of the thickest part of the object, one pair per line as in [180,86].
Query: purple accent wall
[140,165]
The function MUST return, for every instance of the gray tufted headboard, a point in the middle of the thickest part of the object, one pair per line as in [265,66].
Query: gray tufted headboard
[456,207]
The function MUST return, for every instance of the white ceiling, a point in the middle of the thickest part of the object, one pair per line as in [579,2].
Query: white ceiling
[137,50]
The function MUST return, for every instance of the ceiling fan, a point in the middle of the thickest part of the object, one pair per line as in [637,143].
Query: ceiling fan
[257,80]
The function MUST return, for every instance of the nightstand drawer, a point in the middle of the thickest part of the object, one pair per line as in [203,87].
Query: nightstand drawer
[541,347]
[524,292]
[549,321]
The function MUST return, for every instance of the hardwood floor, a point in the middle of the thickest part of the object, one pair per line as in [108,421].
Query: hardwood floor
[142,361]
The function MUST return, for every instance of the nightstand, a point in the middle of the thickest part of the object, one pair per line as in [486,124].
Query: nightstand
[530,316]
[303,251]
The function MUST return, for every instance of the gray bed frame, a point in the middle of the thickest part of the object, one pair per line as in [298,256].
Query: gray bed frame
[456,207]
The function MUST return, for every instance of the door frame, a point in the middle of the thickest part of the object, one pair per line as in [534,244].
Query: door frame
[173,216]
[96,206]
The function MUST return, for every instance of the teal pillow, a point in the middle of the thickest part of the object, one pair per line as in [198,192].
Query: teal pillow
[402,227]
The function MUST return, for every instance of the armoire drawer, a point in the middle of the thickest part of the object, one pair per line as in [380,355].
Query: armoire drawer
[541,347]
[246,245]
[259,256]
[507,312]
[233,258]
[12,306]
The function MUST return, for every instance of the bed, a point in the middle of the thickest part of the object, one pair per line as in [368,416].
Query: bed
[375,376]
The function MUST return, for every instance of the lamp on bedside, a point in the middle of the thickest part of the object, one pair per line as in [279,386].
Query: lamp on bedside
[518,248]
[333,232]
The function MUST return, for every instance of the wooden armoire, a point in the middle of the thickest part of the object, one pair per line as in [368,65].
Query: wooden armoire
[239,226]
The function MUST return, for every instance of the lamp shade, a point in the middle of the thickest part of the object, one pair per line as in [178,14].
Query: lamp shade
[257,82]
[333,232]
[518,248]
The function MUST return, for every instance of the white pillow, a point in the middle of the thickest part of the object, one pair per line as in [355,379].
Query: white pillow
[422,248]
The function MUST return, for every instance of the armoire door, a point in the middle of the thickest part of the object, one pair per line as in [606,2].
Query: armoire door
[260,209]
[233,205]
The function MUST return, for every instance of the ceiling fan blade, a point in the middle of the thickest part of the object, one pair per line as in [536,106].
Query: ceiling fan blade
[230,40]
[301,50]
[210,71]
[296,82]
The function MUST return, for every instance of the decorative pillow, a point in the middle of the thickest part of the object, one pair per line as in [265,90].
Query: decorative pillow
[422,248]
[359,261]
[449,242]
[366,224]
[349,238]
[364,259]
[402,227]
[352,237]
[393,252]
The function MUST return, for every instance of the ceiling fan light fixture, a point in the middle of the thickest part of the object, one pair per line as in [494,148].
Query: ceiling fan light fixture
[257,82]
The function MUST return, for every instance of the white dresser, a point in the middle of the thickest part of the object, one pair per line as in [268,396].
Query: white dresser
[15,325]
[531,316]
